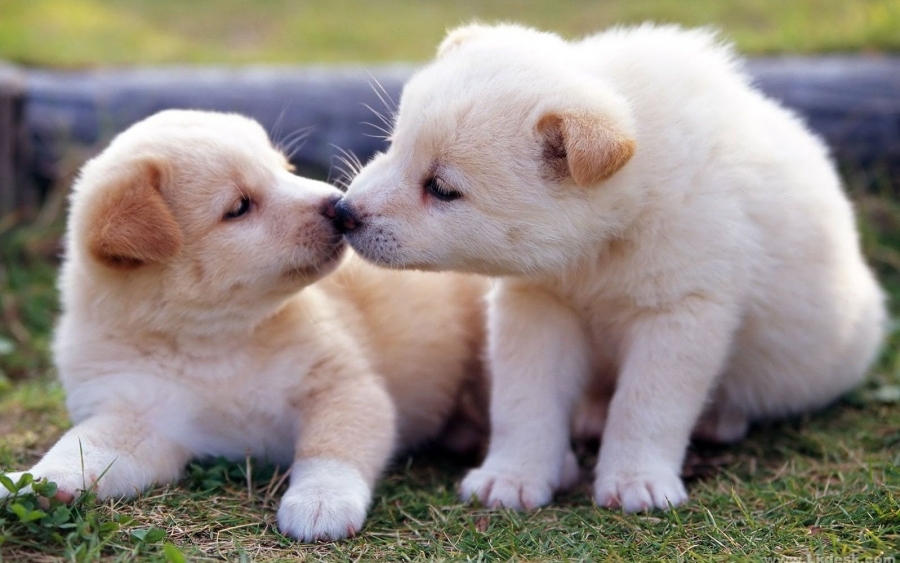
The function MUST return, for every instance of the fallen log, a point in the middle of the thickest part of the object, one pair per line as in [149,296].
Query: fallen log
[852,101]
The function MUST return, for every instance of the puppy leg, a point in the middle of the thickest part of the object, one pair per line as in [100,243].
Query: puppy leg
[668,370]
[114,455]
[346,440]
[722,423]
[590,417]
[539,358]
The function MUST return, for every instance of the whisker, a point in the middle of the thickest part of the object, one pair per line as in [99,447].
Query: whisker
[346,173]
[295,141]
[348,165]
[382,94]
[275,132]
[298,135]
[342,181]
[385,134]
[388,103]
[343,176]
[355,162]
[381,117]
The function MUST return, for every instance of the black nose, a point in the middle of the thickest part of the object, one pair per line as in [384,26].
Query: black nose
[344,218]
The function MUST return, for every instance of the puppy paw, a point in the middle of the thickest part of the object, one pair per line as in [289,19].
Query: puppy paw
[327,500]
[499,488]
[639,491]
[495,489]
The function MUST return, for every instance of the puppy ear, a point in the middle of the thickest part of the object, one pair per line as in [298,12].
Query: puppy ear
[130,223]
[583,145]
[460,35]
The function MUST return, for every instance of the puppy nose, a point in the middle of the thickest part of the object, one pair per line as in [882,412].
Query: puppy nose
[344,218]
[328,207]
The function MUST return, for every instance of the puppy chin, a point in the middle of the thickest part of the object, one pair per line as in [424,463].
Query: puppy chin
[377,253]
[387,252]
[327,262]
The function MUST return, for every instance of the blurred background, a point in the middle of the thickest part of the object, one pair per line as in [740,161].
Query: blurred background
[87,33]
[66,58]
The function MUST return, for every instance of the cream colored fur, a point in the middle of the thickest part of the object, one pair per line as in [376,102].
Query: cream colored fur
[187,334]
[670,242]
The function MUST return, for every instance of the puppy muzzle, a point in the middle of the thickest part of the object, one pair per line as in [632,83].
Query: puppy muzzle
[343,217]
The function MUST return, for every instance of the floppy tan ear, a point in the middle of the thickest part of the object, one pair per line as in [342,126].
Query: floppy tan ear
[460,35]
[585,146]
[130,223]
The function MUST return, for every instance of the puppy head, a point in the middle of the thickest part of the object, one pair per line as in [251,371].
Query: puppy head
[201,208]
[504,160]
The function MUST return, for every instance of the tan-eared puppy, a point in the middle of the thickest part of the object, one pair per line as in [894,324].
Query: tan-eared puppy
[671,242]
[193,325]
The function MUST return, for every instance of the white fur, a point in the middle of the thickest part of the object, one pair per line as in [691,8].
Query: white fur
[328,499]
[235,343]
[710,277]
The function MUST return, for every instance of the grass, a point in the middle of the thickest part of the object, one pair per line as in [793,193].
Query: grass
[825,486]
[820,488]
[92,32]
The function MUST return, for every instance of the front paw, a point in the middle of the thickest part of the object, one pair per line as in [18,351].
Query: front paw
[327,500]
[636,491]
[497,488]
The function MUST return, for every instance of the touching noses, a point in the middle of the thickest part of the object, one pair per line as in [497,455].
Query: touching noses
[340,214]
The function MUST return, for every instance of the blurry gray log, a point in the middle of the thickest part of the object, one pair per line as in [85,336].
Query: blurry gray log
[852,101]
[329,106]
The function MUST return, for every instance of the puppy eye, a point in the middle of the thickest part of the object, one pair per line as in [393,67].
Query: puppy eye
[439,189]
[240,207]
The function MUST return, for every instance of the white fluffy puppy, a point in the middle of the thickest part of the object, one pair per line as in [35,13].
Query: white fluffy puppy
[185,332]
[669,238]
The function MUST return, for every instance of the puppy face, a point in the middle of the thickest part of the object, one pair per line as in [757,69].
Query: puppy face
[200,208]
[500,159]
